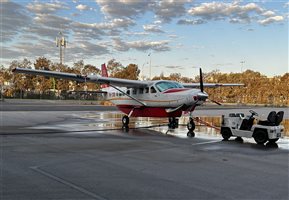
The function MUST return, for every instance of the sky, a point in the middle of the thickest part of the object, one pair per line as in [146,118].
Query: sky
[168,36]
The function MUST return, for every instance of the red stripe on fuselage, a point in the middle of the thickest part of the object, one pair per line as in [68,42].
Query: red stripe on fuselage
[176,90]
[148,111]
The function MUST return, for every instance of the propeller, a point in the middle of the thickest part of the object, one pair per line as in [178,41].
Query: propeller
[202,87]
[215,102]
[201,81]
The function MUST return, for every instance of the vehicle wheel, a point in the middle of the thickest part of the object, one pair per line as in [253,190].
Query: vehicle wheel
[260,136]
[191,125]
[125,120]
[239,139]
[191,134]
[226,133]
[273,140]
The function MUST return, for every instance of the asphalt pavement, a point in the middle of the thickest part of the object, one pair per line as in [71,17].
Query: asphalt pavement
[75,154]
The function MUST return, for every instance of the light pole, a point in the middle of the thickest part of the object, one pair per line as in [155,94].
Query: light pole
[61,43]
[242,65]
[142,70]
[150,66]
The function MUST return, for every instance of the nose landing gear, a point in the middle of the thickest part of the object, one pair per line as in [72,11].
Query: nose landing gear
[191,127]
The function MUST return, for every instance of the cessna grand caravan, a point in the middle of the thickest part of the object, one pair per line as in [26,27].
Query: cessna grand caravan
[135,98]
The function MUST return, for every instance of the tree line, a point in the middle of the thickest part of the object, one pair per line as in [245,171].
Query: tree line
[258,89]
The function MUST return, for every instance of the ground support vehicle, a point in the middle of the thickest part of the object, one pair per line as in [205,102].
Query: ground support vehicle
[237,125]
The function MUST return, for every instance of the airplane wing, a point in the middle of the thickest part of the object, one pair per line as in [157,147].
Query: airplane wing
[81,78]
[211,85]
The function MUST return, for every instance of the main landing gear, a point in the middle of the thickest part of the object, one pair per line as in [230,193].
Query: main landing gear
[191,127]
[125,122]
[173,123]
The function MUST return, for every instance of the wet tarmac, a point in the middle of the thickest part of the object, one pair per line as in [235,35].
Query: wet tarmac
[86,155]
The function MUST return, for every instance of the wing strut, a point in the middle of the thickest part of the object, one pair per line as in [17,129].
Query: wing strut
[142,103]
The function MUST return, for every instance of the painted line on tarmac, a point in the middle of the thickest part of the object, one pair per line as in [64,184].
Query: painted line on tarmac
[201,143]
[60,180]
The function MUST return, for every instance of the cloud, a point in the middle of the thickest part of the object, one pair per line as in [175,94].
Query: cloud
[121,23]
[173,36]
[87,31]
[40,48]
[52,21]
[268,13]
[191,22]
[138,34]
[82,7]
[141,45]
[124,8]
[270,20]
[85,49]
[174,67]
[222,11]
[8,53]
[13,20]
[46,8]
[48,25]
[166,10]
[98,30]
[153,28]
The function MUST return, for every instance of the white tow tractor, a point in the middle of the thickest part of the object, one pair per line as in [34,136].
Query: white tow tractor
[236,124]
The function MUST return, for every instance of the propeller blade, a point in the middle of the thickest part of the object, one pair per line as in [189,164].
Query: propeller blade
[201,81]
[215,102]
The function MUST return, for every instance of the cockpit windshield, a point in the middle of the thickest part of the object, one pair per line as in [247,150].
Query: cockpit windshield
[165,85]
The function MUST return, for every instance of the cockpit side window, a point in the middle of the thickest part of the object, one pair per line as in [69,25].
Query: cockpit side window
[163,86]
[153,90]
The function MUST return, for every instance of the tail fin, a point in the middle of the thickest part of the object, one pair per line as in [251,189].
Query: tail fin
[104,74]
[103,70]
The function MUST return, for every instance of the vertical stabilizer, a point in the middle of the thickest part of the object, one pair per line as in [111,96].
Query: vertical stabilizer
[103,70]
[104,74]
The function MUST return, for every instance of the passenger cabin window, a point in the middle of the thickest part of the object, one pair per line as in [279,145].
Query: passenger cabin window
[128,92]
[153,90]
[140,90]
[133,91]
[165,85]
[147,90]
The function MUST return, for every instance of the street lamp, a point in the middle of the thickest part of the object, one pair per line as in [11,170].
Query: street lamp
[150,66]
[142,70]
[242,65]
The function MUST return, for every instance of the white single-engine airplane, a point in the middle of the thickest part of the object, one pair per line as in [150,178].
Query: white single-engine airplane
[159,98]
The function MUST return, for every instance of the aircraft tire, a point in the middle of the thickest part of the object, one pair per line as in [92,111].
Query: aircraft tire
[125,120]
[173,123]
[191,125]
[191,134]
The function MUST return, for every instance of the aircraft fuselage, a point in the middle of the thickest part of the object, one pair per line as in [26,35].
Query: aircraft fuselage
[157,100]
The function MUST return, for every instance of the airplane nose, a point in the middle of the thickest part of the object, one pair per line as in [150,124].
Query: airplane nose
[201,96]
